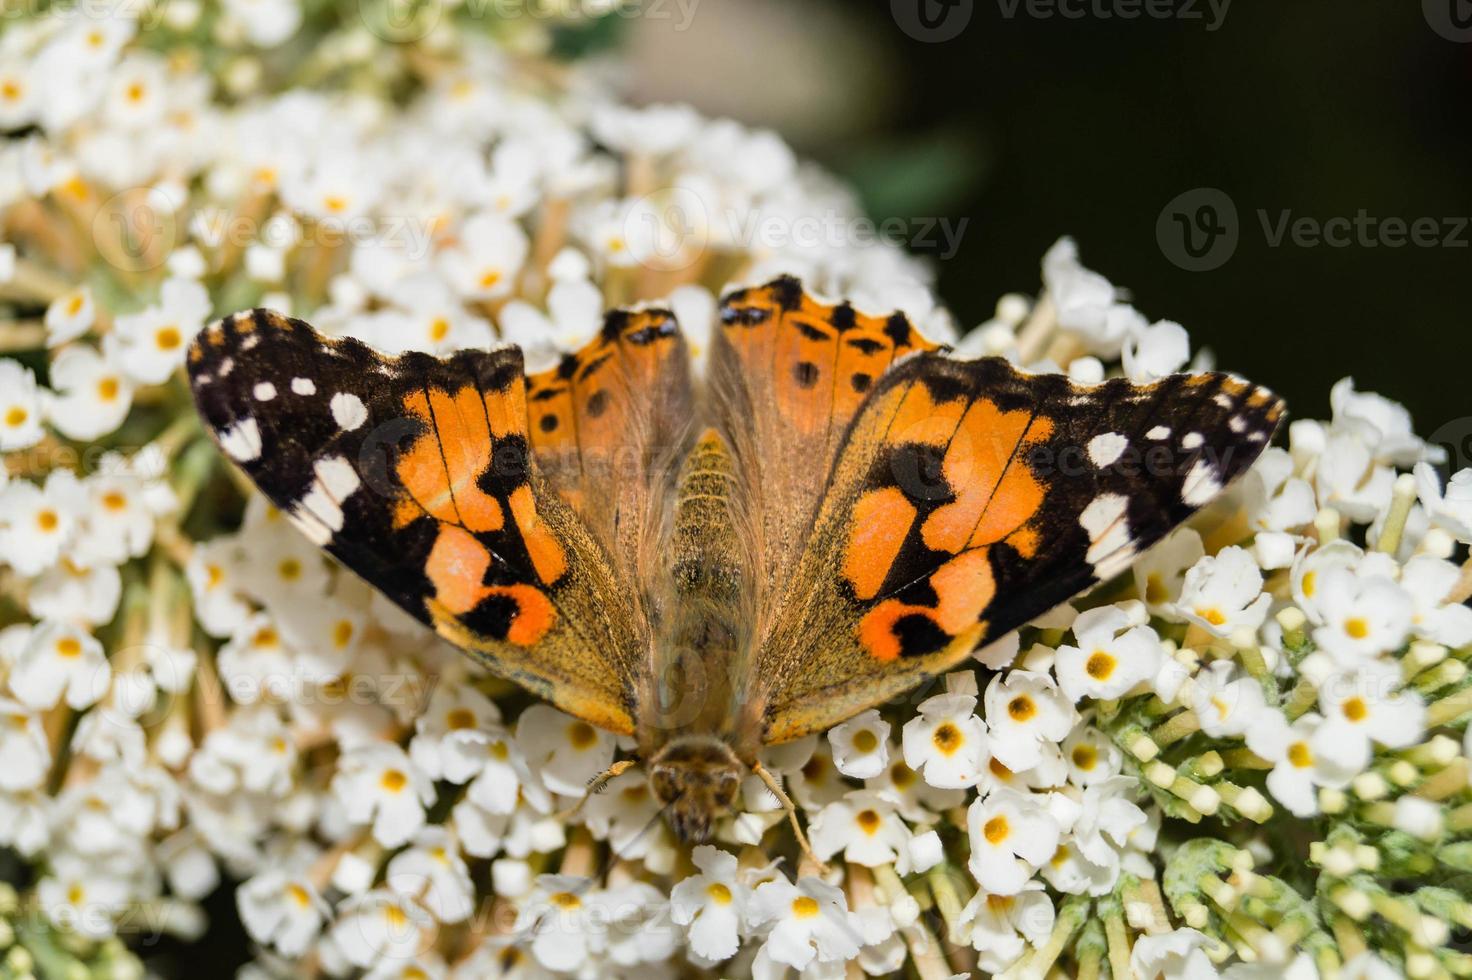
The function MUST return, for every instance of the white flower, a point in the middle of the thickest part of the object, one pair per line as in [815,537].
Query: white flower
[1161,572]
[563,924]
[1384,424]
[1023,710]
[1368,966]
[488,259]
[944,742]
[711,904]
[1364,615]
[1298,768]
[77,895]
[809,921]
[1091,756]
[1223,593]
[1367,705]
[151,344]
[567,752]
[266,22]
[431,872]
[1112,656]
[999,927]
[65,591]
[1301,968]
[1159,349]
[1226,705]
[1451,508]
[60,657]
[625,814]
[1012,835]
[1428,581]
[281,910]
[1106,819]
[1176,955]
[24,748]
[865,827]
[574,314]
[1348,478]
[861,745]
[380,926]
[68,317]
[20,407]
[378,782]
[1085,302]
[211,573]
[92,396]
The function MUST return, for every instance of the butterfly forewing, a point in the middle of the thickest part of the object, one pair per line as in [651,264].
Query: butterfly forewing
[416,473]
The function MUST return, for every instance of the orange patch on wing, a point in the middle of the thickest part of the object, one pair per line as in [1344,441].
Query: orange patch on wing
[876,629]
[548,558]
[506,411]
[422,468]
[920,419]
[964,586]
[465,442]
[881,519]
[534,614]
[456,567]
[996,492]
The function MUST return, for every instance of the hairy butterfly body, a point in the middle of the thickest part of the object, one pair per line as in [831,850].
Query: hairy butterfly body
[836,513]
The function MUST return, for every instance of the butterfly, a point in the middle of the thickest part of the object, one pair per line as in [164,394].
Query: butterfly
[836,511]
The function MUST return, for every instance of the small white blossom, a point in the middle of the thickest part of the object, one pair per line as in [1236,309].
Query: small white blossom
[861,745]
[1012,835]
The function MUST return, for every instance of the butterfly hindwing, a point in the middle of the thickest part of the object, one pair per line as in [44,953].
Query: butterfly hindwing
[416,473]
[969,498]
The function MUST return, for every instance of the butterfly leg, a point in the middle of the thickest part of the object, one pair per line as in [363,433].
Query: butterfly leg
[596,784]
[786,801]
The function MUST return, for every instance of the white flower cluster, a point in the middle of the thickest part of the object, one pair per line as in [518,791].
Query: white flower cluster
[193,694]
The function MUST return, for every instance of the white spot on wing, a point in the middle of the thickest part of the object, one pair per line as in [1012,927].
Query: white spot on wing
[1159,432]
[1201,484]
[1109,533]
[251,339]
[303,386]
[1107,447]
[319,512]
[1237,423]
[1224,400]
[242,441]
[265,391]
[348,410]
[1192,439]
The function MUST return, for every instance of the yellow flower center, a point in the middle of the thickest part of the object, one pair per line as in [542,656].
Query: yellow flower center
[342,633]
[107,389]
[1213,615]
[868,822]
[74,305]
[69,647]
[947,738]
[47,520]
[1355,709]
[298,894]
[1310,581]
[1155,590]
[718,893]
[16,416]
[290,569]
[439,329]
[1085,757]
[489,278]
[1021,708]
[567,901]
[581,735]
[168,338]
[1356,627]
[393,780]
[114,500]
[1299,755]
[996,830]
[865,741]
[460,718]
[1100,665]
[335,203]
[804,907]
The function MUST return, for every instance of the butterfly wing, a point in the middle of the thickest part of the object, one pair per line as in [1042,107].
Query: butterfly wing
[417,473]
[968,498]
[788,374]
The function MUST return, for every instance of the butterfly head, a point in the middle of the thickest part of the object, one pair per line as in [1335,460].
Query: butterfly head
[696,779]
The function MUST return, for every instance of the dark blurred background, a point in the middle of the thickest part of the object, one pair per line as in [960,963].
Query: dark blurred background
[1031,124]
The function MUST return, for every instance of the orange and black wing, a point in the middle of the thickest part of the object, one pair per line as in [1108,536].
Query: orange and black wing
[966,499]
[417,473]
